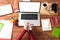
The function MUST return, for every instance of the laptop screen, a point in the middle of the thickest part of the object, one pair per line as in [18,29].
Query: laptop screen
[29,6]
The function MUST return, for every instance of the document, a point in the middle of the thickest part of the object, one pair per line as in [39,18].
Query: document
[46,24]
[6,31]
[5,9]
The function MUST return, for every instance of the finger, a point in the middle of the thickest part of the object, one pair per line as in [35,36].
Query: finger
[32,24]
[27,23]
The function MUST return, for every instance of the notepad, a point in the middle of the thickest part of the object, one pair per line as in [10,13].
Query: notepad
[6,31]
[5,9]
[46,25]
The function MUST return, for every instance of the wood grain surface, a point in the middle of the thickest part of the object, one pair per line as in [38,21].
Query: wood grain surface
[37,31]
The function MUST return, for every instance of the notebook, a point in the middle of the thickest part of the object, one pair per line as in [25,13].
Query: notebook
[5,9]
[56,32]
[5,29]
[46,25]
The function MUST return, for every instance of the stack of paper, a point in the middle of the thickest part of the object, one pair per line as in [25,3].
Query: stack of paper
[46,25]
[6,32]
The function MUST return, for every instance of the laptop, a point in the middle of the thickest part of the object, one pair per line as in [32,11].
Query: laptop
[29,12]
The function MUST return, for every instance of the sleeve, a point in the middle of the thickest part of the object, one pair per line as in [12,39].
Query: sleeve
[21,35]
[31,35]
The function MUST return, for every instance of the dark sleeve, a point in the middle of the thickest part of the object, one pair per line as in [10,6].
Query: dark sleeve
[21,34]
[31,35]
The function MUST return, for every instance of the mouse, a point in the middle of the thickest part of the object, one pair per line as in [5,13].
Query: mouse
[54,7]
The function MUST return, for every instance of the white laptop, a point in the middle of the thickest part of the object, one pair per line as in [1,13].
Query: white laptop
[32,18]
[6,9]
[29,12]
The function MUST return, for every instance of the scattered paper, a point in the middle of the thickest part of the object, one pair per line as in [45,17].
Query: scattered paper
[26,0]
[46,25]
[6,9]
[6,31]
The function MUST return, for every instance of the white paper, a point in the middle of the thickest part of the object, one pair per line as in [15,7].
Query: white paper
[6,31]
[29,6]
[46,25]
[26,0]
[6,9]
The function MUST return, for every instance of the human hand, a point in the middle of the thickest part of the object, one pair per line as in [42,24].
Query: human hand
[28,26]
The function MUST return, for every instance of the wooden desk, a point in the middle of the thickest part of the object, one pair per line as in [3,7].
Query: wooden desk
[37,31]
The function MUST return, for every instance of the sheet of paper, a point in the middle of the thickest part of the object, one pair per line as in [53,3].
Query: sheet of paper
[26,0]
[6,31]
[46,25]
[5,9]
[29,6]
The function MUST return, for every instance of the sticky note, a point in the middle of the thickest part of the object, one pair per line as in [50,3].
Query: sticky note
[12,20]
[56,32]
[1,26]
[46,25]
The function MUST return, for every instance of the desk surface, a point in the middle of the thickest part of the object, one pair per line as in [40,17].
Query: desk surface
[37,31]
